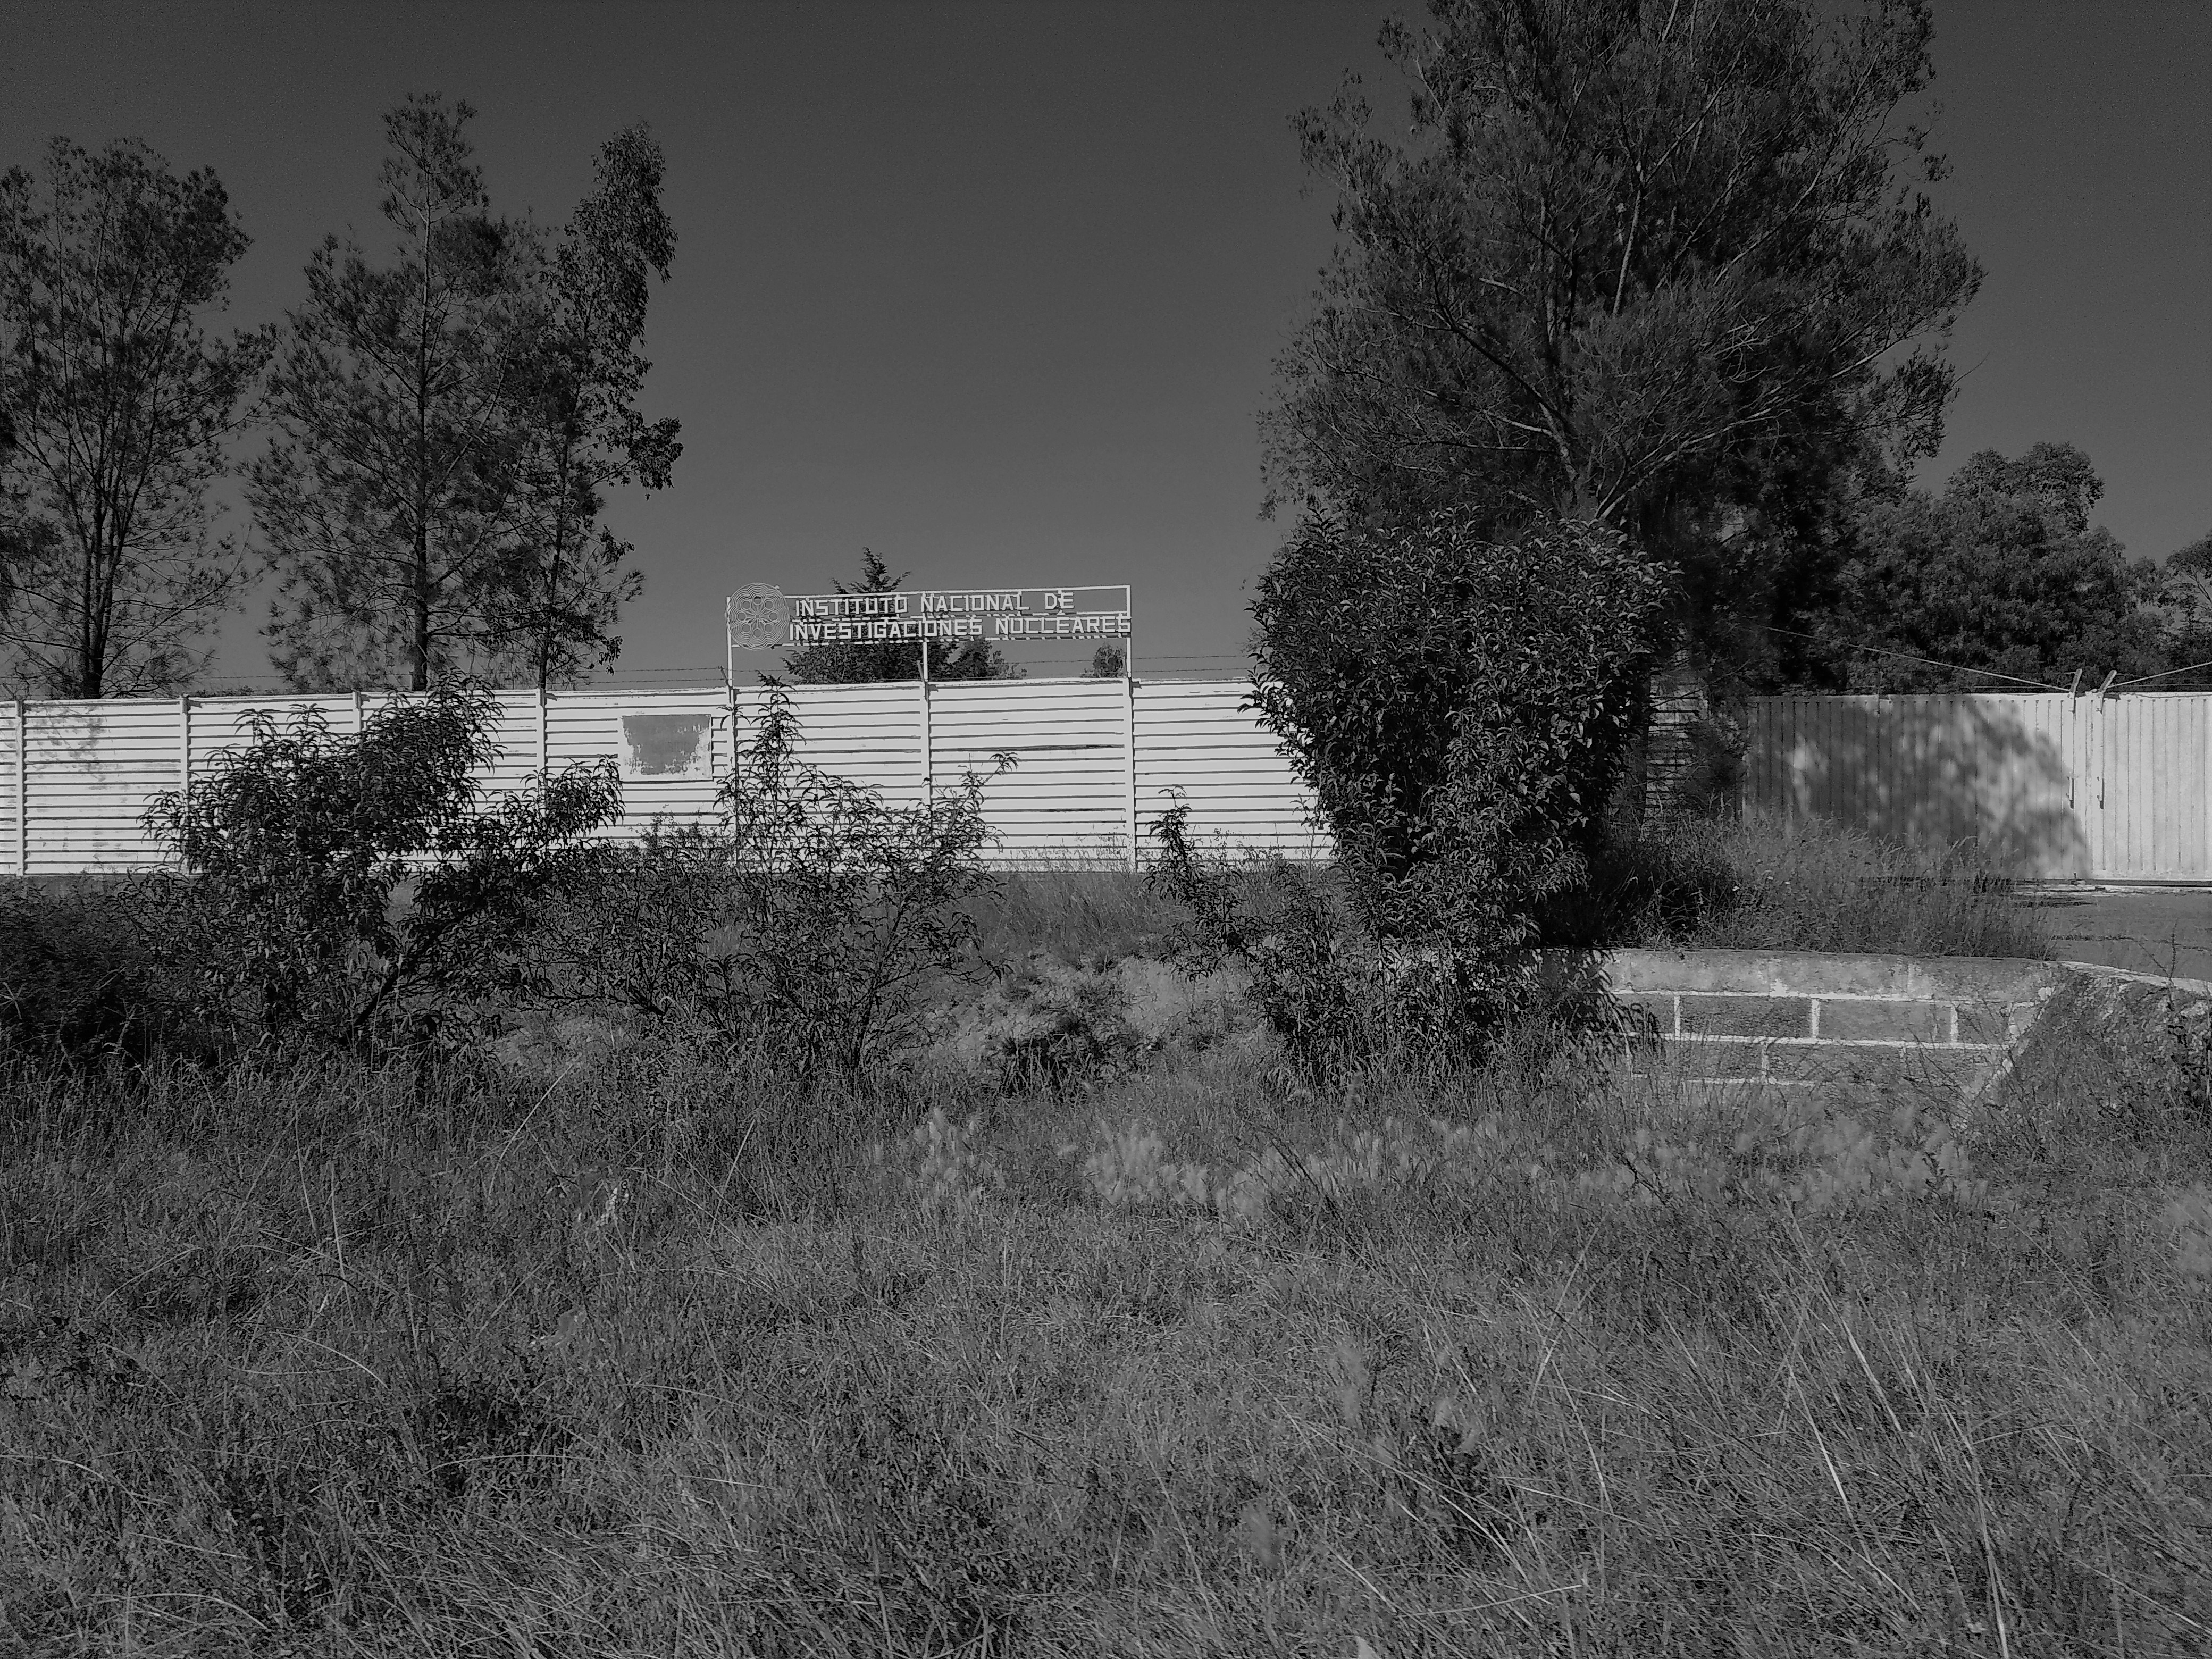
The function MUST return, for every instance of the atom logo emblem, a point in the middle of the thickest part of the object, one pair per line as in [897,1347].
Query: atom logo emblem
[759,617]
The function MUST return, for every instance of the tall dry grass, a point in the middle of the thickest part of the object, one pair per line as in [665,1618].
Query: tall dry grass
[1770,884]
[658,1358]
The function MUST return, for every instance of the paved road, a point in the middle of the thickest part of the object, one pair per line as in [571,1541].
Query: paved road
[2150,930]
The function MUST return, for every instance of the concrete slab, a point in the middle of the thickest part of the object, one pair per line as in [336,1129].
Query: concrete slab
[2165,930]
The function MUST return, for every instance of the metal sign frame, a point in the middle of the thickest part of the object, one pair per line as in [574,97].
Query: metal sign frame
[759,616]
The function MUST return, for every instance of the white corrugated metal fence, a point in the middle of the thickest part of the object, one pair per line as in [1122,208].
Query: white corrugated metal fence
[1095,759]
[2045,784]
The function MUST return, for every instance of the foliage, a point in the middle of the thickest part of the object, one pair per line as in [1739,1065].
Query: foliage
[446,425]
[2001,572]
[115,405]
[1653,264]
[83,975]
[806,924]
[573,369]
[379,499]
[1458,706]
[1343,1000]
[851,662]
[352,891]
[2175,599]
[1108,662]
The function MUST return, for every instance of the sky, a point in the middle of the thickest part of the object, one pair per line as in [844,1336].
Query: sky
[993,288]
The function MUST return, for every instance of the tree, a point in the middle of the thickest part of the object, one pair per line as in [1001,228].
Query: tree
[118,405]
[574,371]
[21,535]
[2001,573]
[382,501]
[1649,264]
[854,662]
[2196,556]
[1109,662]
[447,426]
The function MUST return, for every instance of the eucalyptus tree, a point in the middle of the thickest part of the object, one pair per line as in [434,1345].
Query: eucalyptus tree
[116,406]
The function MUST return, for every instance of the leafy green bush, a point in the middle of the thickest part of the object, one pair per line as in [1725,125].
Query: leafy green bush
[353,890]
[1458,706]
[1342,998]
[807,925]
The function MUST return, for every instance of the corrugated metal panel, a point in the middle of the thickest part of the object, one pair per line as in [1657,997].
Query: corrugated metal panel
[585,725]
[1075,791]
[1199,743]
[12,849]
[1067,793]
[869,734]
[93,769]
[2047,784]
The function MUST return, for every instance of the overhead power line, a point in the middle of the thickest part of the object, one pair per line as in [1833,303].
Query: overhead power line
[1906,656]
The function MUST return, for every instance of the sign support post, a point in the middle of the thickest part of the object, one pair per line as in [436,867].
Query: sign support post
[928,756]
[1129,693]
[22,791]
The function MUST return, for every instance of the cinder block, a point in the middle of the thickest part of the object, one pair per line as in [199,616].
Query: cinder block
[1896,1022]
[1985,1024]
[1947,1073]
[1692,1057]
[1655,1013]
[1743,1016]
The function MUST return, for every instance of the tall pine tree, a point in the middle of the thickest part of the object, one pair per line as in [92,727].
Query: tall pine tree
[445,425]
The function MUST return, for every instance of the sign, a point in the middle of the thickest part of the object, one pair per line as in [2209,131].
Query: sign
[764,618]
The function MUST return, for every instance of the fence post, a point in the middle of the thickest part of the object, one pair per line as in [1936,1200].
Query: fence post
[1129,689]
[184,750]
[22,791]
[929,755]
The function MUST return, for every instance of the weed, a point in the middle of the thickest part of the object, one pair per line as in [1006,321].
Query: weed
[807,927]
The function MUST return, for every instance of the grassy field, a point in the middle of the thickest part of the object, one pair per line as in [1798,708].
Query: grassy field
[611,1348]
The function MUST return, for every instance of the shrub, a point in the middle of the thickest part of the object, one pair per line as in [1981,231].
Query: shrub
[1458,706]
[807,924]
[1342,997]
[352,891]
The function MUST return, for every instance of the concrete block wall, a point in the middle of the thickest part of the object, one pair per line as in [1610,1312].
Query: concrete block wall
[1936,1027]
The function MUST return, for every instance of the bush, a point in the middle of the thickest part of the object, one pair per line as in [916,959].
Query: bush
[1458,706]
[1343,997]
[807,925]
[351,891]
